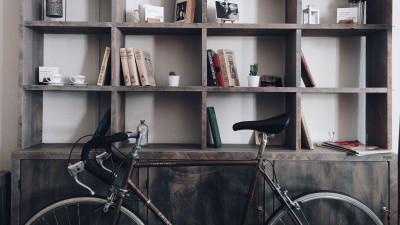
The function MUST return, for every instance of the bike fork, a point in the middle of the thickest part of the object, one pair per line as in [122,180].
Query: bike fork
[283,197]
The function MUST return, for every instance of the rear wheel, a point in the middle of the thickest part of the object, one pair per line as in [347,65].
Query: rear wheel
[326,208]
[81,211]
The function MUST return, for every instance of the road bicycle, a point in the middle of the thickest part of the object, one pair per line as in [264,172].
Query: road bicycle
[321,207]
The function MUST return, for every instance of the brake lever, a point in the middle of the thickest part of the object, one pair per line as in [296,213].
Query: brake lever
[102,157]
[76,168]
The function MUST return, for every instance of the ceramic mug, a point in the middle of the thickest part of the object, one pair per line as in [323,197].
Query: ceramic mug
[77,79]
[142,11]
[54,78]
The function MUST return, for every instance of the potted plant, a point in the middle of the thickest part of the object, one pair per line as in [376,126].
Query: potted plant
[173,79]
[253,78]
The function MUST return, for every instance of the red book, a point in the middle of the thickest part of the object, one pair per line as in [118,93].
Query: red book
[218,70]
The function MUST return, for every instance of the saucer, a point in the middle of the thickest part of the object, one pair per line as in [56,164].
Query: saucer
[55,84]
[83,84]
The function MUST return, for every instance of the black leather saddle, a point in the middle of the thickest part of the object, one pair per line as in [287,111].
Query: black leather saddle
[272,125]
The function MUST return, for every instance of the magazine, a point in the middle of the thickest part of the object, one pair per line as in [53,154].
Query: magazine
[355,147]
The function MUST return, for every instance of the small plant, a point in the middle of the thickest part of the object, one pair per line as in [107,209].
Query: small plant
[253,69]
[172,73]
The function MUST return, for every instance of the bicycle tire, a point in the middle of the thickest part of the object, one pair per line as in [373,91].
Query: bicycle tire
[83,211]
[334,208]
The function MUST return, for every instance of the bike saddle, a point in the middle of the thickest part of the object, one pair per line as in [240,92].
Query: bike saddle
[272,125]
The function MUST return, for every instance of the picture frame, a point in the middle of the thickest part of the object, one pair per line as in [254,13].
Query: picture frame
[227,10]
[184,11]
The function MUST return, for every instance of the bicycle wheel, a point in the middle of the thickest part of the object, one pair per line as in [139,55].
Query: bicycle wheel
[81,211]
[326,208]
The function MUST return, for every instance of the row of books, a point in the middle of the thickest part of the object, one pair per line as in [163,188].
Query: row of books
[221,68]
[137,68]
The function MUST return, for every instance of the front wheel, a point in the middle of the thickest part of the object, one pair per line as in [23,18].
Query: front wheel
[326,208]
[81,211]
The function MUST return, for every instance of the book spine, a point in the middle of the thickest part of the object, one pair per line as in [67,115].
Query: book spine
[224,69]
[306,73]
[125,68]
[231,67]
[103,68]
[149,68]
[211,76]
[212,119]
[218,71]
[140,61]
[132,67]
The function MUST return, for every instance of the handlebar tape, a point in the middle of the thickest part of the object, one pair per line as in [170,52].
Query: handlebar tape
[91,164]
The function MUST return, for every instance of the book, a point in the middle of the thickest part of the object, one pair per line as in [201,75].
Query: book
[305,135]
[125,68]
[104,124]
[145,67]
[212,119]
[306,73]
[103,68]
[218,73]
[132,67]
[211,75]
[228,67]
[354,147]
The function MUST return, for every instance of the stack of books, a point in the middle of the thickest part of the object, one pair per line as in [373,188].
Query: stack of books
[354,147]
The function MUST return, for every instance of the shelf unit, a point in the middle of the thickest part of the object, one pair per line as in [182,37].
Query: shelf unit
[117,33]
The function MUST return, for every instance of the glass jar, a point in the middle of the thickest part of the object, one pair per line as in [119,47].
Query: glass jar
[356,4]
[54,8]
[144,130]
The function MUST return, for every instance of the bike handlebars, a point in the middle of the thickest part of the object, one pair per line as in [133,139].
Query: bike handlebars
[93,165]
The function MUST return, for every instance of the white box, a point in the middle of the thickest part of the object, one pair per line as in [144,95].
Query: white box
[155,12]
[45,71]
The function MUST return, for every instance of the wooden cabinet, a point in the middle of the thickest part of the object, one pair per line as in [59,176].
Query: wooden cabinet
[212,195]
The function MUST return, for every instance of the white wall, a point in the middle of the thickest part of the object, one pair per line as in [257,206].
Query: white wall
[9,19]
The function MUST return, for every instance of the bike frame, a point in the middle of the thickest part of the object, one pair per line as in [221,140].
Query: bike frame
[258,165]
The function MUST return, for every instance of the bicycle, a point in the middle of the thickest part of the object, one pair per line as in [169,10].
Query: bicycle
[305,209]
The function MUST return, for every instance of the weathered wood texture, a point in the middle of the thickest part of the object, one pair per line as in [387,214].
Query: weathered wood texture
[202,195]
[367,181]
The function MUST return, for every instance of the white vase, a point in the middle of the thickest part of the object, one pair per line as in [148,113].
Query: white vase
[173,81]
[253,81]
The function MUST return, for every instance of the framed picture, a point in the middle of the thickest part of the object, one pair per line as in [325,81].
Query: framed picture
[272,81]
[184,11]
[227,10]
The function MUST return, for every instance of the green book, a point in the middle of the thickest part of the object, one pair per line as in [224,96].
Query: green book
[212,119]
[104,124]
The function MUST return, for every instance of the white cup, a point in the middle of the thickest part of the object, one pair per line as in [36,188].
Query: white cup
[77,79]
[54,78]
[142,10]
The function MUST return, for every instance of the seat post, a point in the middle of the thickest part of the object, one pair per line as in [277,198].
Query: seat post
[264,141]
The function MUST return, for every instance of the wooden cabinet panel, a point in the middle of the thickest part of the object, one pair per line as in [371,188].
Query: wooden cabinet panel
[203,195]
[366,181]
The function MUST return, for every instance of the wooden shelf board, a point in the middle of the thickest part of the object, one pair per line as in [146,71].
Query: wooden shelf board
[333,30]
[218,29]
[343,90]
[66,87]
[193,151]
[159,89]
[61,27]
[160,28]
[252,89]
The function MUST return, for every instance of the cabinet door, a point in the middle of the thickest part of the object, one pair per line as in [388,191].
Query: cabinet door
[44,182]
[203,195]
[366,181]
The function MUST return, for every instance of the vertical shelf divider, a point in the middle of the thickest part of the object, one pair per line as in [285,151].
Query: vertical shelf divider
[204,84]
[204,11]
[203,120]
[293,11]
[118,11]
